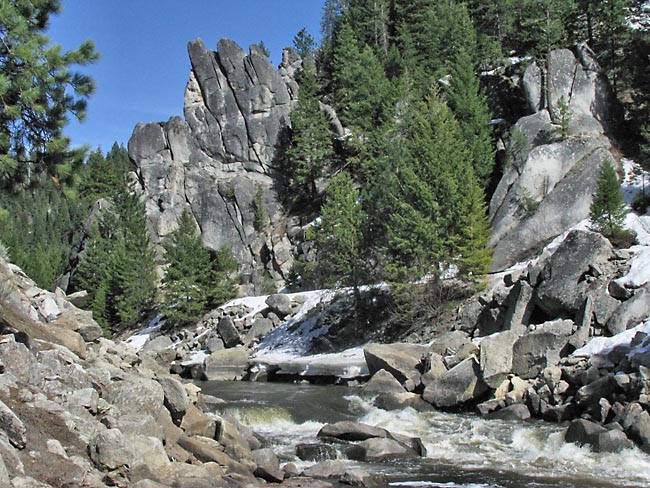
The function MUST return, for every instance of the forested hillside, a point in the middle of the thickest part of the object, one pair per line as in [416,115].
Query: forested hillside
[396,143]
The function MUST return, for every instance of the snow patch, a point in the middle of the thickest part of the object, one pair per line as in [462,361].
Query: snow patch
[140,338]
[601,346]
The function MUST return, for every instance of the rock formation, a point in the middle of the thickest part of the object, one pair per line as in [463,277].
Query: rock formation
[548,180]
[220,162]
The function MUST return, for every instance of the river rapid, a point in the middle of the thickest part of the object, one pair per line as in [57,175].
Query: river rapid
[464,450]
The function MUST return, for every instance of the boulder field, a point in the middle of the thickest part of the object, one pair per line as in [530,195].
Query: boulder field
[79,410]
[523,349]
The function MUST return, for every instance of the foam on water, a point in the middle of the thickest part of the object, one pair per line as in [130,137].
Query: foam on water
[536,449]
[430,484]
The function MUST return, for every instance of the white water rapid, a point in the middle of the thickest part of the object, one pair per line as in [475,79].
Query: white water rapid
[464,451]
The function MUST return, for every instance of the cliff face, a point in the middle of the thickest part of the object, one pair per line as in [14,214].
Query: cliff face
[222,157]
[549,177]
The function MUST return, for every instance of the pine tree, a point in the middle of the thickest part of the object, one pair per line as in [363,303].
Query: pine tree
[304,43]
[134,263]
[310,152]
[38,89]
[118,269]
[474,254]
[187,275]
[104,176]
[608,207]
[371,21]
[195,279]
[359,87]
[470,107]
[338,236]
[438,214]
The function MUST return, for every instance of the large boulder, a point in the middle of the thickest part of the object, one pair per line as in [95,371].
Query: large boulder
[496,357]
[137,395]
[541,348]
[176,399]
[111,450]
[380,449]
[600,439]
[631,313]
[12,427]
[459,385]
[571,273]
[383,382]
[351,431]
[400,360]
[279,304]
[226,365]
[228,332]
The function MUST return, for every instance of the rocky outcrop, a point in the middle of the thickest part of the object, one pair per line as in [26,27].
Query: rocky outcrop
[548,180]
[220,162]
[523,355]
[109,417]
[369,443]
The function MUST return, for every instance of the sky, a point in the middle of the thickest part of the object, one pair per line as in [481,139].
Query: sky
[144,66]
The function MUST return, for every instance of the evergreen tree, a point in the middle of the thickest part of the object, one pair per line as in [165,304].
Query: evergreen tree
[474,256]
[360,90]
[470,107]
[494,23]
[39,228]
[338,236]
[608,207]
[104,177]
[310,152]
[304,43]
[134,262]
[195,280]
[438,199]
[371,21]
[541,26]
[118,269]
[38,89]
[94,273]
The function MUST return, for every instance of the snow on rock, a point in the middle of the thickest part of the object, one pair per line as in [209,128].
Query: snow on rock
[635,182]
[601,346]
[140,338]
[350,363]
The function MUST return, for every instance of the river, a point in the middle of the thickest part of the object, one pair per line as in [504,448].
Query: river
[464,451]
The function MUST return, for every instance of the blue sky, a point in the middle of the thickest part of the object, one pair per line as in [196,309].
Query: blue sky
[144,66]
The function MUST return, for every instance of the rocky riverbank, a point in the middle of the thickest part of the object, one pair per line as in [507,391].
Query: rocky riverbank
[79,410]
[562,339]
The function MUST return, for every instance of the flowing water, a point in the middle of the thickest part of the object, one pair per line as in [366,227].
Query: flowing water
[464,451]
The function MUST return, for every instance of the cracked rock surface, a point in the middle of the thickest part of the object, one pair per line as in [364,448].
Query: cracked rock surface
[222,156]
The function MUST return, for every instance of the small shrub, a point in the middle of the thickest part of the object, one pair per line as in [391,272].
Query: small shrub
[526,201]
[519,146]
[623,239]
[641,203]
[259,213]
[563,115]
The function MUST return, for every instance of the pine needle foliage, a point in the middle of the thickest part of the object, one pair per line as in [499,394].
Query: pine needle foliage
[39,88]
[196,280]
[607,211]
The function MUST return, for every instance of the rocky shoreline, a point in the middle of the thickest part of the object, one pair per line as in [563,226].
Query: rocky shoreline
[77,409]
[515,352]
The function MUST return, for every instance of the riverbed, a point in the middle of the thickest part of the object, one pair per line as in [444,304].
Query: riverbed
[464,451]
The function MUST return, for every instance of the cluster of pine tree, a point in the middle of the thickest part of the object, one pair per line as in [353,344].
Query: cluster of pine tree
[42,221]
[408,193]
[415,168]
